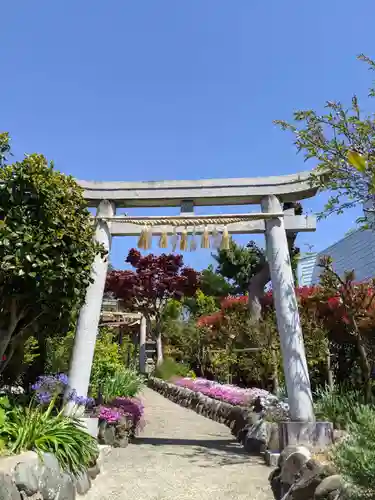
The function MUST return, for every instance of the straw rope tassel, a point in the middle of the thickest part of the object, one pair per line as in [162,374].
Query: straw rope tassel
[205,238]
[193,241]
[142,239]
[184,240]
[174,240]
[149,238]
[163,242]
[225,243]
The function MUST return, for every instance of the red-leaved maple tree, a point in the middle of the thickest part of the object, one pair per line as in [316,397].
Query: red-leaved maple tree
[154,280]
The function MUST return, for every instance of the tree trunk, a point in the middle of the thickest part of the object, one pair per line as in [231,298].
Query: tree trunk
[330,380]
[5,339]
[366,370]
[257,285]
[14,328]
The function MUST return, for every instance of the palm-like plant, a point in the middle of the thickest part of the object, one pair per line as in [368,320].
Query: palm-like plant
[39,429]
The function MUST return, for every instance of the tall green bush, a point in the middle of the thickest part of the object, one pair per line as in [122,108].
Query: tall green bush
[46,248]
[170,368]
[354,457]
[123,383]
[338,405]
[59,351]
[109,359]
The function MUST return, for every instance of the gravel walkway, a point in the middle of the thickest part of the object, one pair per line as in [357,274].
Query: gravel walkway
[179,456]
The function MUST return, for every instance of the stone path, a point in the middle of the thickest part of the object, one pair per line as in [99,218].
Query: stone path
[179,456]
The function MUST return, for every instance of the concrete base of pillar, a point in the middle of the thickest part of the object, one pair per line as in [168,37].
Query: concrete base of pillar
[91,425]
[313,435]
[271,458]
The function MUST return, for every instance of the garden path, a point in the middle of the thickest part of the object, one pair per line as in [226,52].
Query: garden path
[180,455]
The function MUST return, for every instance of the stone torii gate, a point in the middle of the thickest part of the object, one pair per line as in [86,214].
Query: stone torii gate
[269,192]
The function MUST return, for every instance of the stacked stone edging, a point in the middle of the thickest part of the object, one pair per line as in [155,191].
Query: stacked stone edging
[27,476]
[118,434]
[298,476]
[255,434]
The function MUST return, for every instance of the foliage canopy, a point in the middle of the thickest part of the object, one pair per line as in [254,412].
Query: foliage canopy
[46,247]
[342,144]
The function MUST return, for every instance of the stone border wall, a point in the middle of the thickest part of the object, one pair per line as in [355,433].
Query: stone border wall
[23,476]
[255,434]
[298,476]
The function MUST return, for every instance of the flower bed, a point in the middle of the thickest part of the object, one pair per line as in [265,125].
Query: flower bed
[224,392]
[272,407]
[120,420]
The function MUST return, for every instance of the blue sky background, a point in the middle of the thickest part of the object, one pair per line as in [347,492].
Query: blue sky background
[172,89]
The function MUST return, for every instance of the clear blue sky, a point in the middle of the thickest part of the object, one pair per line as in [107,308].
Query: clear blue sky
[168,89]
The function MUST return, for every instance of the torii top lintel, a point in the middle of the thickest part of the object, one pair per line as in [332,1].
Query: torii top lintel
[204,192]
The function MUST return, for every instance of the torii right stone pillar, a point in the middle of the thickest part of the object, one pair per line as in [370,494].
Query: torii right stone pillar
[288,321]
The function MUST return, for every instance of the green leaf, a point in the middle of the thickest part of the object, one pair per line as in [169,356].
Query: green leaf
[357,161]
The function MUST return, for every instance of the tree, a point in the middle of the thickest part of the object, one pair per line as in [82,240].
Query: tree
[214,285]
[347,309]
[46,248]
[238,264]
[154,281]
[342,143]
[200,304]
[4,147]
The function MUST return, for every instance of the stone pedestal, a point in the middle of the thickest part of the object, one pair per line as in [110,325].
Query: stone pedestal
[91,424]
[313,435]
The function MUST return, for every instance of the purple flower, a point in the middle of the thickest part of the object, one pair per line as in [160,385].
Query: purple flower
[62,378]
[223,392]
[83,401]
[48,386]
[123,407]
[43,398]
[110,415]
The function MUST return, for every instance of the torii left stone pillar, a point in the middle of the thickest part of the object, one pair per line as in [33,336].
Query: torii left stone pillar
[88,321]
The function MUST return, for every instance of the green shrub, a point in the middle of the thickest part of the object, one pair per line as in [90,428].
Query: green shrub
[59,351]
[4,408]
[37,428]
[337,405]
[123,383]
[354,457]
[170,368]
[109,359]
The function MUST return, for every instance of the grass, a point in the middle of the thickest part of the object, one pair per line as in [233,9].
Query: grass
[337,405]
